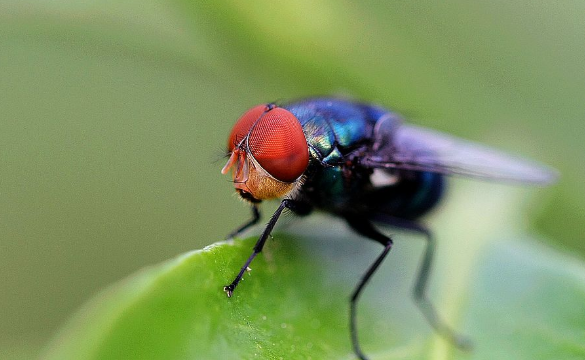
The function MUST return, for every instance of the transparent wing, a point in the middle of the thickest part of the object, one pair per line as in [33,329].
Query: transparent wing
[409,147]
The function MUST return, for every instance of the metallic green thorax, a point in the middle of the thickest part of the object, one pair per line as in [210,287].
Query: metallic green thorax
[334,127]
[338,132]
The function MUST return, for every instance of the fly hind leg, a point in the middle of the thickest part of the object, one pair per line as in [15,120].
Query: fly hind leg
[365,228]
[420,287]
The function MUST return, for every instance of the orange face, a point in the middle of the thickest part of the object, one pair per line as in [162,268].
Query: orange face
[268,151]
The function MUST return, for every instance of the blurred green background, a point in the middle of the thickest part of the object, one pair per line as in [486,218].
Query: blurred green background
[114,116]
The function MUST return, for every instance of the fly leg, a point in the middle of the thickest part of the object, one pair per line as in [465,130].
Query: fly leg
[365,228]
[248,224]
[286,203]
[420,287]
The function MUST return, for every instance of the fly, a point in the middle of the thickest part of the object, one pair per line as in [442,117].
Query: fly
[359,162]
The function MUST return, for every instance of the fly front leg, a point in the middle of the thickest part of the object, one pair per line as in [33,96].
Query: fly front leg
[253,221]
[286,203]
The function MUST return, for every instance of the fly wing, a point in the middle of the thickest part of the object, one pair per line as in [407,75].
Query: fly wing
[402,146]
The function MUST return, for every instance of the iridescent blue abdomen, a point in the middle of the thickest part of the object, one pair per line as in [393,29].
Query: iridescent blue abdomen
[338,133]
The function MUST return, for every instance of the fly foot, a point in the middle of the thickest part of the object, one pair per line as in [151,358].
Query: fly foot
[463,343]
[229,290]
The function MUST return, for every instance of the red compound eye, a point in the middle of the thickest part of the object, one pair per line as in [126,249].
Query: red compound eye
[279,145]
[244,124]
[276,141]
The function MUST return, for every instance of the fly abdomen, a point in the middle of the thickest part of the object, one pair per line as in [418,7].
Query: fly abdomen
[413,195]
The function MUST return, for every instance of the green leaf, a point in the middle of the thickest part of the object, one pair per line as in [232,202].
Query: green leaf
[513,297]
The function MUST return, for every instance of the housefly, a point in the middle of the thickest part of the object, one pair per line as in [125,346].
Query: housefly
[361,163]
